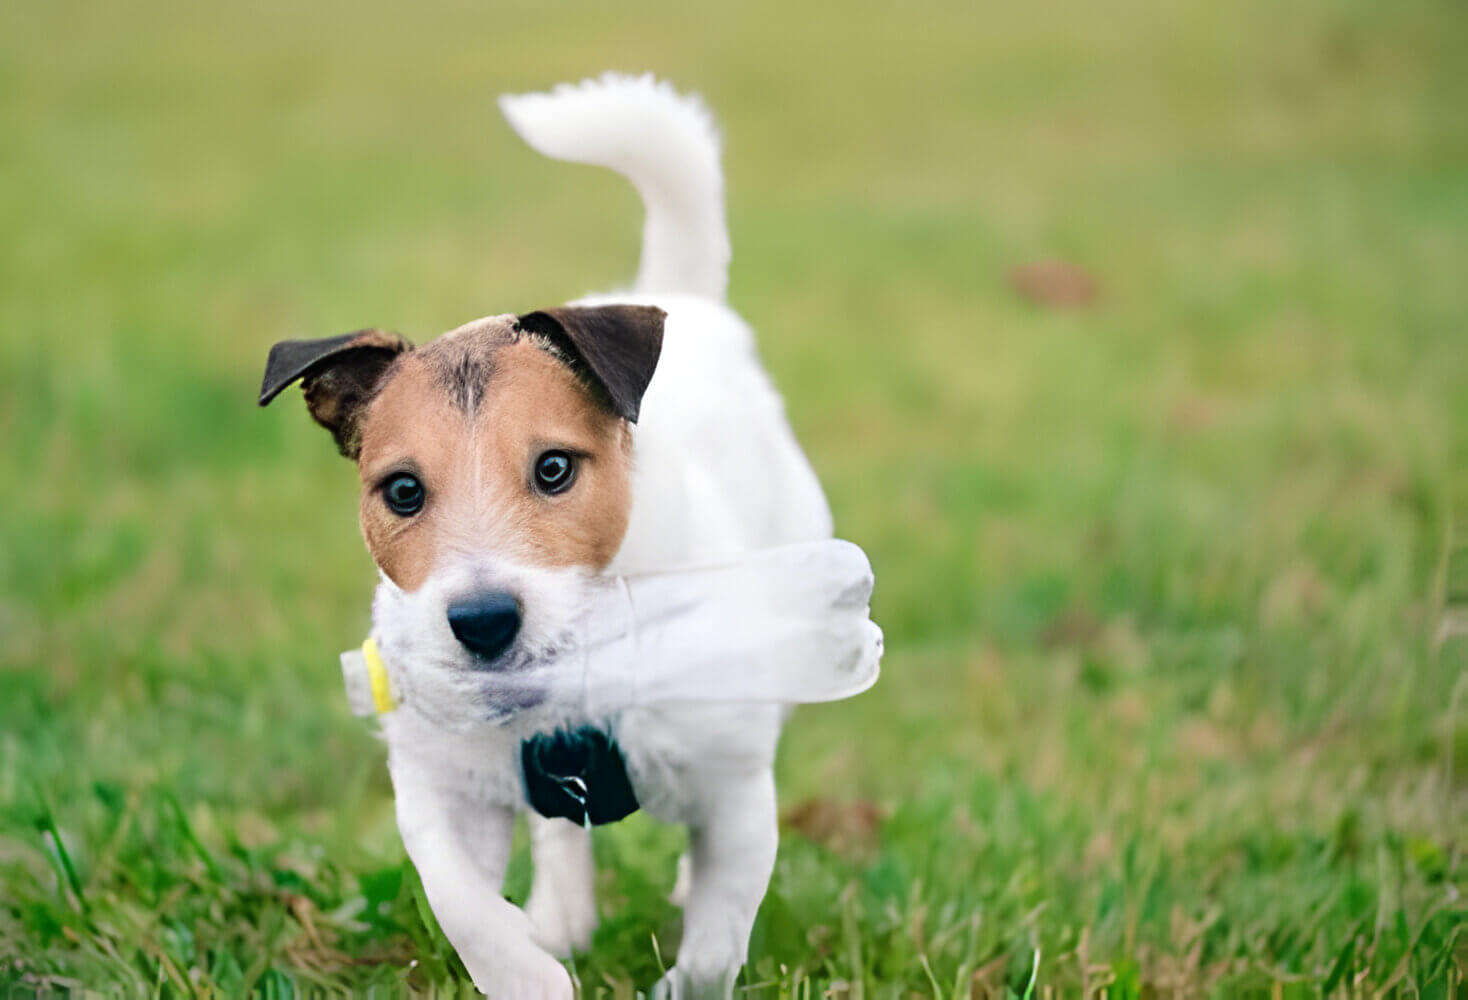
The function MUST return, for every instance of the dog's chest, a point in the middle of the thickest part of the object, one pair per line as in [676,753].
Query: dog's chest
[676,758]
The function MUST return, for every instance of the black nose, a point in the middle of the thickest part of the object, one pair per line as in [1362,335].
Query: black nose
[485,623]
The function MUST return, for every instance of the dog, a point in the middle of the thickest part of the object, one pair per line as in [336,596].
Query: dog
[508,463]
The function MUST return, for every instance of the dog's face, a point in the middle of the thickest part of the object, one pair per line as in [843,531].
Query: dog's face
[495,465]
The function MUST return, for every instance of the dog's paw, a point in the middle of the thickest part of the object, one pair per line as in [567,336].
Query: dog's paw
[562,924]
[529,973]
[681,984]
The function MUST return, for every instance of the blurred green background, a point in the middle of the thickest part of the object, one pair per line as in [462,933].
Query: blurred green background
[1162,709]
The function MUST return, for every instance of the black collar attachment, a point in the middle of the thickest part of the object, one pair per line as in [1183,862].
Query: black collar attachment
[577,775]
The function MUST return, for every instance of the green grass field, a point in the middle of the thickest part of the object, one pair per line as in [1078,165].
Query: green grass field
[1162,712]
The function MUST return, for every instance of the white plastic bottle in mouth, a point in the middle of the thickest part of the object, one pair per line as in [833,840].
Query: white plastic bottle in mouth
[788,624]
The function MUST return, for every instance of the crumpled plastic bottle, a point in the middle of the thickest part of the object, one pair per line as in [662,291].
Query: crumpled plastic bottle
[787,624]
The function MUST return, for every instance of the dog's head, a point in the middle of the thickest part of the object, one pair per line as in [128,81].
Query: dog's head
[496,480]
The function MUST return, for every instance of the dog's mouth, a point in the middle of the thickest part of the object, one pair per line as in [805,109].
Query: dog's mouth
[509,700]
[516,681]
[499,685]
[461,678]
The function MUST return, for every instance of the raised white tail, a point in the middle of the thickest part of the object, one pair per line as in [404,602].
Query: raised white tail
[666,145]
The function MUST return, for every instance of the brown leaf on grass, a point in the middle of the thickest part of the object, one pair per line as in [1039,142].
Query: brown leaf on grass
[1055,283]
[843,827]
[1192,413]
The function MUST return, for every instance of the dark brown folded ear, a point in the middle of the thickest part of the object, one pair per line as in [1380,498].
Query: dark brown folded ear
[339,376]
[617,345]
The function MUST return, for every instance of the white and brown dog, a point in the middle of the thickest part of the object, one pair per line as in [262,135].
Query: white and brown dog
[507,463]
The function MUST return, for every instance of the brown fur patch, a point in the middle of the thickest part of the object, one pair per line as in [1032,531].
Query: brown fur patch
[468,415]
[463,360]
[339,376]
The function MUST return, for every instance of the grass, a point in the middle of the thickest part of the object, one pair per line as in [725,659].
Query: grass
[1164,711]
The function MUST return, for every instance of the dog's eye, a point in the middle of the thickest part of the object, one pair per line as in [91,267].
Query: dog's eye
[554,471]
[403,494]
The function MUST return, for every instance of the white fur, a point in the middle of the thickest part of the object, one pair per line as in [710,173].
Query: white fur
[666,145]
[717,473]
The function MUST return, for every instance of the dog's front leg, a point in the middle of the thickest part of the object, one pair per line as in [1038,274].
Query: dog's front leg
[731,854]
[562,903]
[460,846]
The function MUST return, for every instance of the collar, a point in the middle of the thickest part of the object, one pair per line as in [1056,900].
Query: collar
[577,774]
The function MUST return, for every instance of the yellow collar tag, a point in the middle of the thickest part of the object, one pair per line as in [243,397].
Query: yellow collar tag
[382,698]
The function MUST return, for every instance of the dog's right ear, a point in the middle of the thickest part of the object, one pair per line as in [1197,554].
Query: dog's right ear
[339,376]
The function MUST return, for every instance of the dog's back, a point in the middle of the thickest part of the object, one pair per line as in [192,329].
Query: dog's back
[718,471]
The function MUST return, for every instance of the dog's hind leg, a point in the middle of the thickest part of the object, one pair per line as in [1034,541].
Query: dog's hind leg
[731,854]
[682,882]
[562,903]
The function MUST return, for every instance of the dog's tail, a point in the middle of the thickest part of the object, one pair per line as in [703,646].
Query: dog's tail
[666,145]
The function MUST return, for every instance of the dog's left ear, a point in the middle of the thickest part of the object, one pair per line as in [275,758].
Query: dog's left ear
[339,374]
[619,346]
